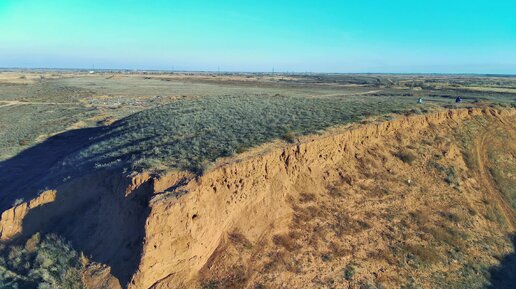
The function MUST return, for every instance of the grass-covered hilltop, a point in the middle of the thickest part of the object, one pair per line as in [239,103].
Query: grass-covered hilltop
[56,125]
[190,133]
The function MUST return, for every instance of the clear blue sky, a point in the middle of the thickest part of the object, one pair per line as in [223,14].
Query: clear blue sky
[332,36]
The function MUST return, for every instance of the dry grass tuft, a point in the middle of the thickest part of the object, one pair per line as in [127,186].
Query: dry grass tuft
[426,255]
[238,239]
[285,241]
[406,156]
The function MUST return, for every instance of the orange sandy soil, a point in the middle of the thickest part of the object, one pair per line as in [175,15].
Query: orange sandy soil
[384,205]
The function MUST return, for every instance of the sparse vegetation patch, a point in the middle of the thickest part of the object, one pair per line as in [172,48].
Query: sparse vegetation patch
[190,133]
[40,263]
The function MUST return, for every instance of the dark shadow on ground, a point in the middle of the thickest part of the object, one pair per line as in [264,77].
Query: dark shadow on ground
[26,174]
[504,275]
[91,209]
[100,221]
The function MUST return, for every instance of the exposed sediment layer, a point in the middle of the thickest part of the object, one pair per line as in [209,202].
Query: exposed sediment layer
[251,196]
[165,230]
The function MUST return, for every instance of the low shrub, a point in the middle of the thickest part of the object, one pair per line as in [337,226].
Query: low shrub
[17,202]
[452,177]
[285,241]
[289,137]
[424,255]
[40,263]
[349,271]
[406,156]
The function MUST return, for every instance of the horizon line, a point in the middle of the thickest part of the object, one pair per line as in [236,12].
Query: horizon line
[244,71]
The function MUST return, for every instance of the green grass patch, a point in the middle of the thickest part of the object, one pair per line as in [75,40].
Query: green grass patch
[191,133]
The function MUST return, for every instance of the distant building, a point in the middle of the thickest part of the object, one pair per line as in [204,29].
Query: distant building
[91,72]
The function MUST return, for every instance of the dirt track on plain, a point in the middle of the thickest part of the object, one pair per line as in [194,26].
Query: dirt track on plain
[482,160]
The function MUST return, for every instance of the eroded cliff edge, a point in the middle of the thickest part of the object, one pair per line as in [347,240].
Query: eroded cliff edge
[284,216]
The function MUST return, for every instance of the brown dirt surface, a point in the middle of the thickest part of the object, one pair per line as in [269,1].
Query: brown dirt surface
[481,151]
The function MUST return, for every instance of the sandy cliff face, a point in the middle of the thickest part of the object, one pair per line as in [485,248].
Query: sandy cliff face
[102,215]
[290,217]
[254,199]
[11,222]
